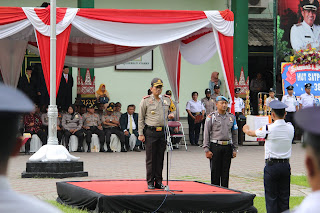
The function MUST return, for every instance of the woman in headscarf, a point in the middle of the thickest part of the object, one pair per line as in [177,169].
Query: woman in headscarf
[72,123]
[102,94]
[214,81]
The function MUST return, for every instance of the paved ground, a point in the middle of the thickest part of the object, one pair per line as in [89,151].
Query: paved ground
[246,170]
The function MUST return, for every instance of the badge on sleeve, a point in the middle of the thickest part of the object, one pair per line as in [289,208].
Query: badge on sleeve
[234,126]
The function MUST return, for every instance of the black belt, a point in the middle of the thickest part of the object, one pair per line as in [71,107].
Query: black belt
[196,113]
[275,160]
[290,112]
[155,128]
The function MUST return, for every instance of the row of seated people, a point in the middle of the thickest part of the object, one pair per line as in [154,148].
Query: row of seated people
[102,122]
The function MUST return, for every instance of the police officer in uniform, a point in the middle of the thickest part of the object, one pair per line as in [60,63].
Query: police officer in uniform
[278,137]
[209,105]
[72,125]
[220,141]
[92,125]
[308,120]
[216,93]
[306,34]
[307,99]
[153,115]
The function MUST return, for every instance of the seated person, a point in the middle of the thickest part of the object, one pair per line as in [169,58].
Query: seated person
[32,125]
[111,125]
[129,125]
[117,110]
[92,125]
[72,125]
[102,94]
[45,120]
[175,131]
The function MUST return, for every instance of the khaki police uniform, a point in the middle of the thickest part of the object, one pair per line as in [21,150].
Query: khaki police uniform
[71,122]
[151,124]
[108,130]
[93,121]
[221,138]
[214,96]
[209,105]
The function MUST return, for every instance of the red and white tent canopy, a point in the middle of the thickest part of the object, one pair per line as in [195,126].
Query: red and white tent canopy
[91,38]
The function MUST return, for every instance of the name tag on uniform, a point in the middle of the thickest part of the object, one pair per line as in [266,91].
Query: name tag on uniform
[307,36]
[159,128]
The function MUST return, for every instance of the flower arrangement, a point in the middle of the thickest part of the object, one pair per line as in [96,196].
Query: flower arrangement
[306,57]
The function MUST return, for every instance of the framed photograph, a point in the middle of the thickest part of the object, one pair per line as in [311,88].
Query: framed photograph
[144,62]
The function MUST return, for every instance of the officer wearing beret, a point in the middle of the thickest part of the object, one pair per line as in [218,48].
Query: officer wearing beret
[307,99]
[11,109]
[220,141]
[278,138]
[306,34]
[92,125]
[309,120]
[153,114]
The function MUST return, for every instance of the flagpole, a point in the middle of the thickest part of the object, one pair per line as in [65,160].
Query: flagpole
[52,109]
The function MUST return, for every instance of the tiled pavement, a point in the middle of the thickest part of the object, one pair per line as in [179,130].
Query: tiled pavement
[246,170]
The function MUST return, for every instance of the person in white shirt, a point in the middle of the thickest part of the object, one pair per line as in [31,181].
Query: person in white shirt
[307,99]
[278,137]
[271,97]
[195,110]
[238,102]
[10,111]
[308,120]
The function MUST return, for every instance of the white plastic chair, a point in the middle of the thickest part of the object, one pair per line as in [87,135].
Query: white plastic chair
[177,124]
[115,144]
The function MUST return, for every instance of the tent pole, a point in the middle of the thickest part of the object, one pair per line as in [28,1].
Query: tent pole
[52,109]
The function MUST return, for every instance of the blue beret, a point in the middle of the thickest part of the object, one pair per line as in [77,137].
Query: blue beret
[277,105]
[221,98]
[13,100]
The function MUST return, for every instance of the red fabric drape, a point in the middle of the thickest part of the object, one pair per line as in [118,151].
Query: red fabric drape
[11,14]
[142,16]
[227,15]
[44,14]
[226,47]
[44,49]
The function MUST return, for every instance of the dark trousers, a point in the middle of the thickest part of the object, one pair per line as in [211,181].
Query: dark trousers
[94,130]
[289,118]
[79,134]
[194,131]
[59,134]
[220,164]
[40,134]
[277,186]
[119,133]
[135,132]
[155,147]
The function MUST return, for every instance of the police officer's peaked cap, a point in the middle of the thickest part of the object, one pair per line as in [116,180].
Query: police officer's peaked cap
[277,105]
[271,90]
[110,108]
[216,86]
[308,86]
[207,91]
[237,90]
[91,106]
[290,87]
[308,119]
[168,92]
[309,4]
[221,98]
[13,100]
[156,82]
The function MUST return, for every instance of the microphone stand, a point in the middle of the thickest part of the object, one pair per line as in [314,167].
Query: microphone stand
[169,146]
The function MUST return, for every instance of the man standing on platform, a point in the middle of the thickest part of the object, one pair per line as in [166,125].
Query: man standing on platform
[307,99]
[64,97]
[153,116]
[220,142]
[278,137]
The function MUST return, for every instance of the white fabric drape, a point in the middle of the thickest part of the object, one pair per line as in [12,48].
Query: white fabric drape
[11,58]
[98,62]
[170,56]
[136,35]
[200,50]
[13,28]
[219,23]
[45,29]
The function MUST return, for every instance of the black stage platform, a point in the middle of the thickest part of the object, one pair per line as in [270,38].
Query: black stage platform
[121,195]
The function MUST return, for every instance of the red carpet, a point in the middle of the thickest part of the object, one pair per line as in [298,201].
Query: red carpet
[125,195]
[138,187]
